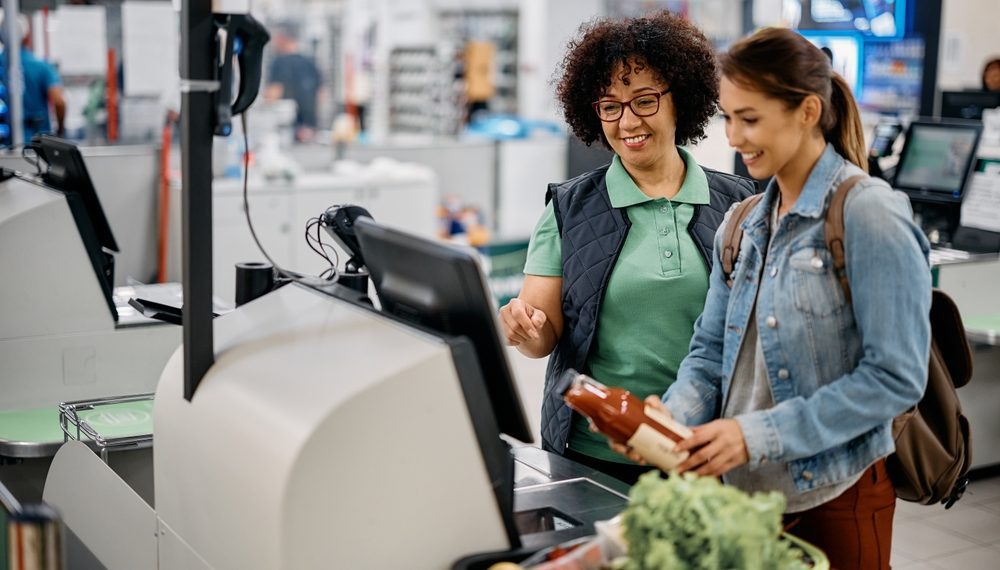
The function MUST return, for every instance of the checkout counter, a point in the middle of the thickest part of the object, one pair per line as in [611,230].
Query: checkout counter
[331,434]
[67,332]
[954,185]
[971,280]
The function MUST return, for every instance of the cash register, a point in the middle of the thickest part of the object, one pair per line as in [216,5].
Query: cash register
[66,332]
[934,169]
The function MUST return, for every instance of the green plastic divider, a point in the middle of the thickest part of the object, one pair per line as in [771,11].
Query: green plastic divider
[41,425]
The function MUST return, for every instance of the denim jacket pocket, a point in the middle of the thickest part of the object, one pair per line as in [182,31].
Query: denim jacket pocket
[817,291]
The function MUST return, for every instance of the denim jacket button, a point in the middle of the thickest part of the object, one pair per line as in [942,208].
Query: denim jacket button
[807,475]
[772,321]
[774,271]
[783,374]
[817,263]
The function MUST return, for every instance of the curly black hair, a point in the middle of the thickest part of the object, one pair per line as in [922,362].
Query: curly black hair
[672,48]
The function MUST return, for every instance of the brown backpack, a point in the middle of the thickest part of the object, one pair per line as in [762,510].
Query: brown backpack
[933,440]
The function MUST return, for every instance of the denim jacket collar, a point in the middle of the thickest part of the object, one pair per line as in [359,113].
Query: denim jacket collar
[810,203]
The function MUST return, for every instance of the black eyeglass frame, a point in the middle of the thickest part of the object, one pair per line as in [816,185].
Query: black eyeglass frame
[628,104]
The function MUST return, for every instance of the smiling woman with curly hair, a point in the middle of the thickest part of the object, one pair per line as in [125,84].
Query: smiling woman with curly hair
[618,266]
[672,50]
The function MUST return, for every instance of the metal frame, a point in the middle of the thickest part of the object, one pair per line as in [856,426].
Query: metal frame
[197,58]
[77,429]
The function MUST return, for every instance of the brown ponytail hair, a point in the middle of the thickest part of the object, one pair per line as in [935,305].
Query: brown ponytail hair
[783,65]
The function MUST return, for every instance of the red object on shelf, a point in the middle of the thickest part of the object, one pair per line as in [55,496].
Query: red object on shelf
[164,233]
[112,97]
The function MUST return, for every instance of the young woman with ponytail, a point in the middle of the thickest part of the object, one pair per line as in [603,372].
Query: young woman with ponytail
[791,386]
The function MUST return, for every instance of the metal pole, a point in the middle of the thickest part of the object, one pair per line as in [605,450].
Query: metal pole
[15,79]
[196,162]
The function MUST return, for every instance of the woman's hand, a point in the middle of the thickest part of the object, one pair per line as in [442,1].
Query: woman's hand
[533,321]
[521,322]
[716,448]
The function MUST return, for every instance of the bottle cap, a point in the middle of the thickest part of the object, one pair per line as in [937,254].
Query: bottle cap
[565,381]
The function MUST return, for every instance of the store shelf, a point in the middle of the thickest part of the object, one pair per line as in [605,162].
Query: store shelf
[422,93]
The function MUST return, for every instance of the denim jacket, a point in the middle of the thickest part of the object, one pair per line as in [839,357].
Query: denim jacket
[839,372]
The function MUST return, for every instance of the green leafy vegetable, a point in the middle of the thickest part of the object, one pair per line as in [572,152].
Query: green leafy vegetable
[697,523]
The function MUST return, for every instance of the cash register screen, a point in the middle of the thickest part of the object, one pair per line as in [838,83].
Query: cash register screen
[66,172]
[442,288]
[968,104]
[937,159]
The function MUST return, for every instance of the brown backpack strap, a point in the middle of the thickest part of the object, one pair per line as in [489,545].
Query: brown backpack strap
[734,235]
[833,227]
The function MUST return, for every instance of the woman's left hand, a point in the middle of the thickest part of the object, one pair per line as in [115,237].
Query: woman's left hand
[716,448]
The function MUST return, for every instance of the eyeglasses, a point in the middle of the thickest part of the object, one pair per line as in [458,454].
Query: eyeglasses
[644,105]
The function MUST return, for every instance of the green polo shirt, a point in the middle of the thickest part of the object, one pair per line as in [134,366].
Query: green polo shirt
[657,290]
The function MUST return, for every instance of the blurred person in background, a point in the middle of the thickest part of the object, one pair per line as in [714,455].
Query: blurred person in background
[618,265]
[991,75]
[295,76]
[42,88]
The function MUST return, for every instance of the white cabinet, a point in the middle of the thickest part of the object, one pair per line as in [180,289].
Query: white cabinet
[279,212]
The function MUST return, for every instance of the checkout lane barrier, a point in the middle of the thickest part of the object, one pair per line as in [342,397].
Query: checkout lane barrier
[117,434]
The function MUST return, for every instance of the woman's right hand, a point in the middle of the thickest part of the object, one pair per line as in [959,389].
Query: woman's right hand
[521,322]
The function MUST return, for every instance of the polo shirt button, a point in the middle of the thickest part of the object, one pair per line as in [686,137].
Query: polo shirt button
[664,209]
[664,231]
[783,374]
[807,475]
[774,271]
[668,254]
[772,322]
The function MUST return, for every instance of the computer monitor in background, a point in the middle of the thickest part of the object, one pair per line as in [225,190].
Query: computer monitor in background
[442,288]
[65,171]
[936,160]
[968,104]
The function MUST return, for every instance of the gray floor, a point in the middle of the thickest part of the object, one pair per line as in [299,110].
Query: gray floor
[967,536]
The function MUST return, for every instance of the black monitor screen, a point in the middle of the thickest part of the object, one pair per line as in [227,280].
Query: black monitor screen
[67,173]
[968,104]
[886,133]
[443,289]
[937,159]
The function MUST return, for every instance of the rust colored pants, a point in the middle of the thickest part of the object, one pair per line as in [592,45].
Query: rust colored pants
[855,529]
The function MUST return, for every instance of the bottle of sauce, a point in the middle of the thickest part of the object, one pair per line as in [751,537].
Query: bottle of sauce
[626,420]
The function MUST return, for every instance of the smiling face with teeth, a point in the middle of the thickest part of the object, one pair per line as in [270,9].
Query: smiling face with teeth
[772,139]
[644,144]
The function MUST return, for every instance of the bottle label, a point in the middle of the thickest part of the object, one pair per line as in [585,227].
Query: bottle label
[666,421]
[656,448]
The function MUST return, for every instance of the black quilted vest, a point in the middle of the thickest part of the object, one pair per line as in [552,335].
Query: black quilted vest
[593,234]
